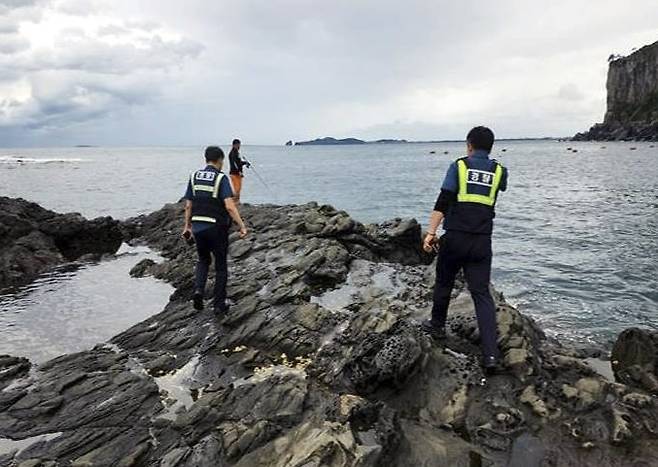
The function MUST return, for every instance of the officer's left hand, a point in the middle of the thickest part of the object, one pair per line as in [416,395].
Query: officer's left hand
[248,165]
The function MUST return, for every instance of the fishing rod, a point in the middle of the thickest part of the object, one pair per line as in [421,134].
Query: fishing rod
[251,166]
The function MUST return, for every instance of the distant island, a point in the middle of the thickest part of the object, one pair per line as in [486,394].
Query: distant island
[330,141]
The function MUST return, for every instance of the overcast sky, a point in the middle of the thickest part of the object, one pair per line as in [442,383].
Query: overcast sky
[170,72]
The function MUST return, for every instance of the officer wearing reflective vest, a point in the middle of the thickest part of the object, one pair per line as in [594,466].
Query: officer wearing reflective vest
[209,208]
[466,206]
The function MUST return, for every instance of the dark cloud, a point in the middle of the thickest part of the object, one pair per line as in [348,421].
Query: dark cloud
[182,72]
[78,75]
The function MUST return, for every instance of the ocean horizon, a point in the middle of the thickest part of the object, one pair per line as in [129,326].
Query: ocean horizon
[559,256]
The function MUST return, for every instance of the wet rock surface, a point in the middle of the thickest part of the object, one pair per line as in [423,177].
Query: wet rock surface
[320,362]
[635,359]
[34,239]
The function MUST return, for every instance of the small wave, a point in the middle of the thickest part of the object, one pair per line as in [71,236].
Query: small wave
[31,160]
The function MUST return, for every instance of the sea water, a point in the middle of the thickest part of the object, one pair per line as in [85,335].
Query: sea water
[576,235]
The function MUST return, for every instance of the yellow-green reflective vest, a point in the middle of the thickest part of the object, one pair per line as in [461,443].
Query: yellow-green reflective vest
[478,186]
[477,192]
[206,205]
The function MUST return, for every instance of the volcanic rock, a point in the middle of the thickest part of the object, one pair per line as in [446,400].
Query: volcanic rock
[320,362]
[34,239]
[635,359]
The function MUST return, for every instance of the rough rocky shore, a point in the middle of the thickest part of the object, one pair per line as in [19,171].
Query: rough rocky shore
[321,362]
[34,239]
[632,102]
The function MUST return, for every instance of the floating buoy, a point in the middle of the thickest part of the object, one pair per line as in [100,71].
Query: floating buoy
[632,148]
[445,152]
[504,150]
[568,149]
[574,150]
[432,152]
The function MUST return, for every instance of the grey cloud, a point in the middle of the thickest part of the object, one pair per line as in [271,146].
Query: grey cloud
[91,54]
[64,99]
[18,3]
[11,13]
[112,30]
[570,92]
[12,43]
[84,78]
[144,25]
[76,7]
[422,69]
[7,25]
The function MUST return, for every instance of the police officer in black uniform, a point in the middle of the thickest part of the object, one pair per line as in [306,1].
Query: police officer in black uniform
[209,208]
[466,208]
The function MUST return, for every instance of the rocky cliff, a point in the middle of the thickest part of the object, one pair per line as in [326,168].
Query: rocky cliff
[321,362]
[632,105]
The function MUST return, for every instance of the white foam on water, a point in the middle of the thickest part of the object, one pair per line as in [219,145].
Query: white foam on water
[32,160]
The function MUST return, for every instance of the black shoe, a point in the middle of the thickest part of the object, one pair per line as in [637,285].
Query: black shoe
[490,364]
[197,299]
[221,310]
[434,331]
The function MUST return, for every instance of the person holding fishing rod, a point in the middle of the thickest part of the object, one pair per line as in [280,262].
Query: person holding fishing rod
[236,173]
[237,163]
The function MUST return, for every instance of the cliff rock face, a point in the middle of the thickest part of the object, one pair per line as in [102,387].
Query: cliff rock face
[632,106]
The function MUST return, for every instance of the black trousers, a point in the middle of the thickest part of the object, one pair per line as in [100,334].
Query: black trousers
[472,252]
[212,241]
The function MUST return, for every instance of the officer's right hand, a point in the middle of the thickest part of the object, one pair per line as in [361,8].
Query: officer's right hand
[243,232]
[428,243]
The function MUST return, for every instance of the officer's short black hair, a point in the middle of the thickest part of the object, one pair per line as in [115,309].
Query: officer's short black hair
[236,141]
[214,154]
[481,137]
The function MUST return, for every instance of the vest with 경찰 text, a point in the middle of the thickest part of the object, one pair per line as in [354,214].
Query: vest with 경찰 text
[477,192]
[206,203]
